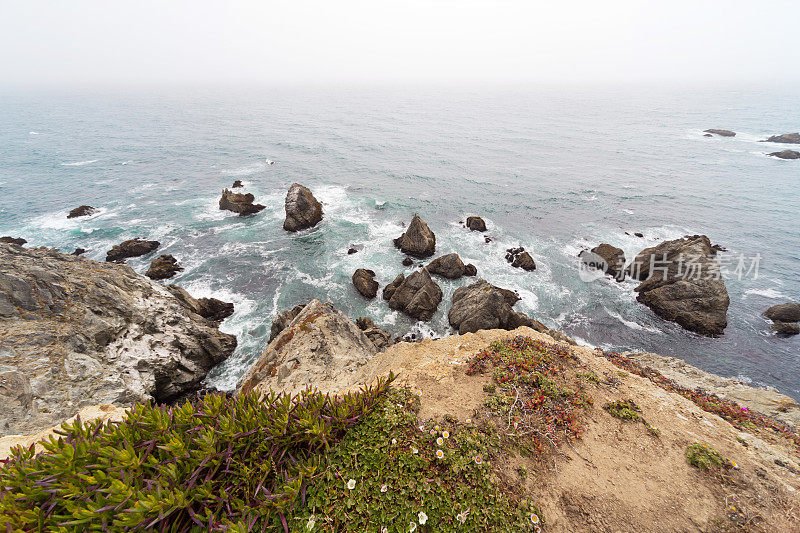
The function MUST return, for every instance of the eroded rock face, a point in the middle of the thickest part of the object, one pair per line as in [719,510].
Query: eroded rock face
[302,209]
[476,224]
[418,240]
[283,319]
[239,203]
[519,258]
[683,283]
[786,154]
[319,346]
[448,266]
[416,295]
[163,267]
[721,133]
[785,328]
[82,211]
[612,260]
[211,309]
[19,241]
[77,332]
[484,306]
[380,338]
[787,138]
[364,282]
[131,248]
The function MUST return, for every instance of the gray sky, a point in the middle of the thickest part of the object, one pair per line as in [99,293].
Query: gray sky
[143,41]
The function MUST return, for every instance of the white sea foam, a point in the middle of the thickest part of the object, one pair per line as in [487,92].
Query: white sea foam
[767,293]
[33,133]
[631,324]
[80,163]
[244,170]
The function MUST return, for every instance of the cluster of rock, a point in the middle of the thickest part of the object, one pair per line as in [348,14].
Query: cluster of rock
[19,241]
[239,203]
[519,258]
[605,257]
[785,318]
[786,138]
[163,267]
[77,332]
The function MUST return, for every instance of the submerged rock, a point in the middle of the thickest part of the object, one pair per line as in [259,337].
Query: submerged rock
[418,240]
[416,295]
[476,224]
[519,258]
[786,154]
[721,133]
[785,328]
[683,283]
[319,346]
[786,138]
[19,241]
[82,211]
[131,248]
[163,267]
[609,259]
[78,332]
[448,266]
[484,306]
[364,281]
[302,209]
[239,203]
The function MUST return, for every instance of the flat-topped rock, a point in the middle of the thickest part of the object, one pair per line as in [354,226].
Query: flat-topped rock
[131,248]
[787,138]
[302,209]
[786,154]
[82,211]
[721,133]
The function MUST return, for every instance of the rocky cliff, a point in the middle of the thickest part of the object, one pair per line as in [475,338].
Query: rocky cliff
[75,332]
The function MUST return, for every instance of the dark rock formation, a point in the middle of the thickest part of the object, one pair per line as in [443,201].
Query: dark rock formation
[131,248]
[163,267]
[77,332]
[19,241]
[607,258]
[211,309]
[364,281]
[302,209]
[82,211]
[684,284]
[416,295]
[470,270]
[79,251]
[786,154]
[721,133]
[519,258]
[380,338]
[707,135]
[476,224]
[788,312]
[786,138]
[638,234]
[408,262]
[487,239]
[239,203]
[418,240]
[355,248]
[785,328]
[448,266]
[484,306]
[237,184]
[284,318]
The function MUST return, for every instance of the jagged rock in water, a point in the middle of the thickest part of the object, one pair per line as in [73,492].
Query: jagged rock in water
[519,258]
[418,240]
[683,283]
[470,270]
[239,203]
[237,184]
[476,224]
[82,211]
[721,133]
[788,312]
[785,328]
[302,209]
[77,332]
[163,267]
[19,241]
[131,248]
[320,345]
[364,282]
[283,319]
[484,306]
[211,309]
[639,234]
[416,295]
[79,251]
[786,154]
[786,138]
[448,266]
[607,258]
[408,262]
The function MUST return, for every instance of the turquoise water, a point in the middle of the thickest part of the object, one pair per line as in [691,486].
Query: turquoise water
[551,170]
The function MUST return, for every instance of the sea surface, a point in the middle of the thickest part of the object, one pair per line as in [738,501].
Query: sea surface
[554,170]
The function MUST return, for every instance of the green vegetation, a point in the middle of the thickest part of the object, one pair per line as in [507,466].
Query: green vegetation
[624,409]
[705,458]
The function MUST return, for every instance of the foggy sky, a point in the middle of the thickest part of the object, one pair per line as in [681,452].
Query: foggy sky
[77,42]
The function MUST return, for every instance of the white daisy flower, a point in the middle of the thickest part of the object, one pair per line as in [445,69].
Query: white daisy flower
[422,518]
[468,421]
[414,450]
[394,441]
[439,454]
[462,516]
[446,434]
[440,441]
[412,527]
[351,484]
[534,518]
[478,460]
[311,523]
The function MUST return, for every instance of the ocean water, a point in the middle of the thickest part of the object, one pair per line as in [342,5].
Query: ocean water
[551,169]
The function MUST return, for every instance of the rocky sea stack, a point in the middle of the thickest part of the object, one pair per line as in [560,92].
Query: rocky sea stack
[131,248]
[302,209]
[364,282]
[418,240]
[484,306]
[786,154]
[476,224]
[609,259]
[77,332]
[239,203]
[450,266]
[82,211]
[163,267]
[19,241]
[685,284]
[785,318]
[787,138]
[519,258]
[417,295]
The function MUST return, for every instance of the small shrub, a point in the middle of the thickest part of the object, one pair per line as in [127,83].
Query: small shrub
[705,458]
[624,409]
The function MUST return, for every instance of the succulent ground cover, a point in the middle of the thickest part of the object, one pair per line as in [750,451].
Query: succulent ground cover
[740,417]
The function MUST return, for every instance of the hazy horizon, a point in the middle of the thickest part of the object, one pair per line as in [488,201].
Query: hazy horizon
[385,43]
